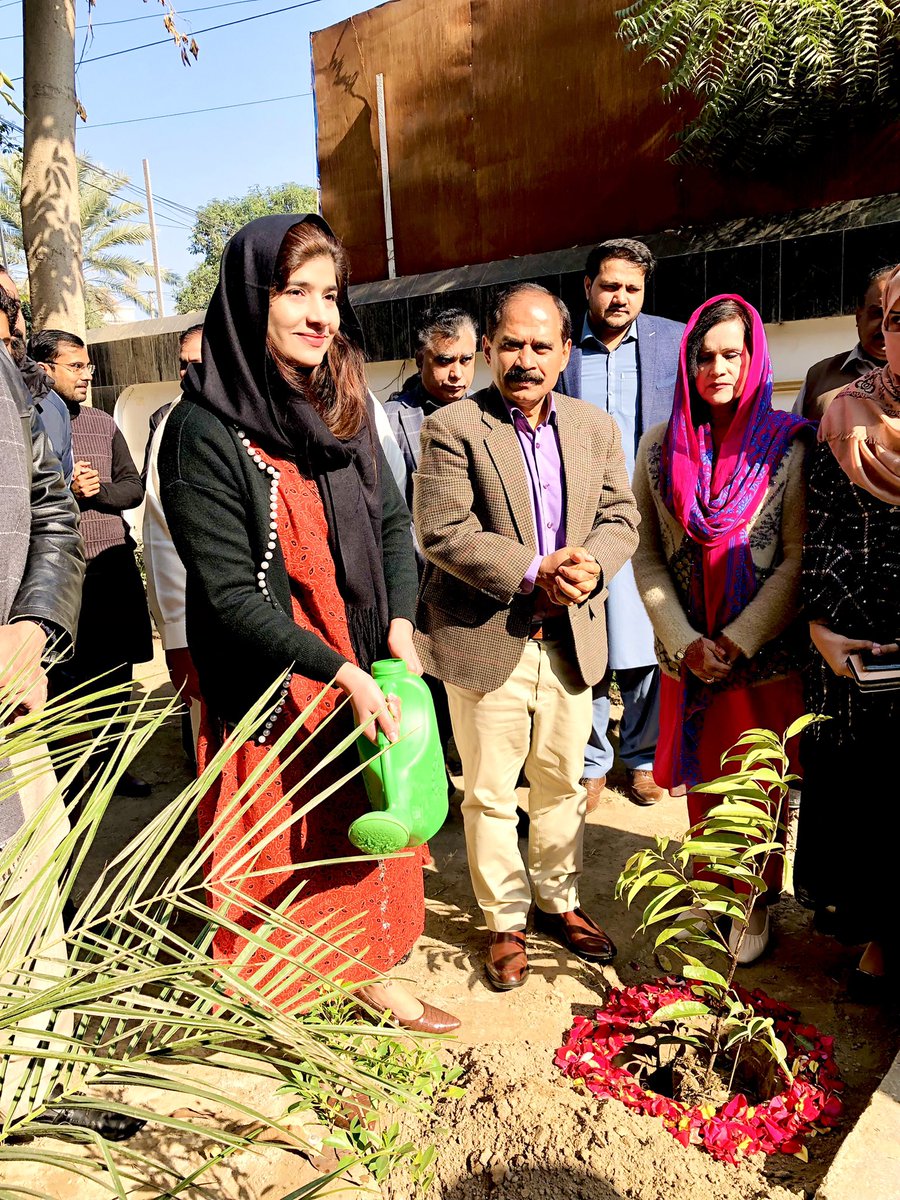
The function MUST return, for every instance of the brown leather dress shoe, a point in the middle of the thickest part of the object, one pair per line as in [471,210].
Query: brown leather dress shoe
[595,789]
[578,932]
[432,1020]
[642,789]
[506,961]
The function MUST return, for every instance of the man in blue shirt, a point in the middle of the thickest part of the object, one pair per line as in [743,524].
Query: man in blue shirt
[625,363]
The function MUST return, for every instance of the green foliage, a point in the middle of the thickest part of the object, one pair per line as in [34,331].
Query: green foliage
[774,78]
[414,1070]
[736,839]
[10,138]
[111,276]
[219,219]
[129,993]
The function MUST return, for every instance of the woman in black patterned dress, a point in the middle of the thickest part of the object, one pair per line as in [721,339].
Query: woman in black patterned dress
[849,829]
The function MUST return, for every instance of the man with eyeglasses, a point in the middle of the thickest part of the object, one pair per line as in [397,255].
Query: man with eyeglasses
[114,627]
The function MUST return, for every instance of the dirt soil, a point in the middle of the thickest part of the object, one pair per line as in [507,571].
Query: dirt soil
[521,1131]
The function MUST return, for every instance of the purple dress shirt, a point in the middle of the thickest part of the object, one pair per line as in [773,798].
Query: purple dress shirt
[547,485]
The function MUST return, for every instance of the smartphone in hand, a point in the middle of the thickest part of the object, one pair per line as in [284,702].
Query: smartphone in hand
[880,662]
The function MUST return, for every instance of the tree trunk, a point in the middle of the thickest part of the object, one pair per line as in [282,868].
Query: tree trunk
[51,224]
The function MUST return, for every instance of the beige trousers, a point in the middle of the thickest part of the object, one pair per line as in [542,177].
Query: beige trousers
[540,719]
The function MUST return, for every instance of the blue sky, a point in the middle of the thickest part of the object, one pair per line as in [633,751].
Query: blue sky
[197,157]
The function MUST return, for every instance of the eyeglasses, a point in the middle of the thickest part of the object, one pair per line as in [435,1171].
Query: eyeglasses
[76,368]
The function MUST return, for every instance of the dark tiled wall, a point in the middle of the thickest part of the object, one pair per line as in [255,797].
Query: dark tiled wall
[119,363]
[787,279]
[818,275]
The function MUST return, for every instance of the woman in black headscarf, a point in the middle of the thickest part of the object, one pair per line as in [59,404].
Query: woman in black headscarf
[298,555]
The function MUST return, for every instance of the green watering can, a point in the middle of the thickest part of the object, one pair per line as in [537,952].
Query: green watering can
[407,784]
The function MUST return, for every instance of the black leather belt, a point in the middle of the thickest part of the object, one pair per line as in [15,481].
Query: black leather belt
[552,629]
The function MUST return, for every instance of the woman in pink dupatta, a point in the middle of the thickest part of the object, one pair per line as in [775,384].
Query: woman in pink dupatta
[721,489]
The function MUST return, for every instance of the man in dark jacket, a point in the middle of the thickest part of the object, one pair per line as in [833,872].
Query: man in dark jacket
[114,628]
[54,415]
[827,377]
[41,571]
[41,551]
[445,356]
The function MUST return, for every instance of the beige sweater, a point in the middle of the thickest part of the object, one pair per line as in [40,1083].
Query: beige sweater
[666,557]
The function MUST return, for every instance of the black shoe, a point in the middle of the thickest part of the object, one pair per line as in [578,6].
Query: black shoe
[865,988]
[114,1127]
[131,785]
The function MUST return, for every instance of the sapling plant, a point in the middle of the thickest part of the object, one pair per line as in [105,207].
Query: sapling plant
[735,842]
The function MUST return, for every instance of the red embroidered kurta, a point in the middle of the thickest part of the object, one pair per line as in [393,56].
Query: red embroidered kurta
[375,910]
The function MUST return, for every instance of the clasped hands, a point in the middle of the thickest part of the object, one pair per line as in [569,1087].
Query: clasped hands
[711,659]
[569,575]
[85,480]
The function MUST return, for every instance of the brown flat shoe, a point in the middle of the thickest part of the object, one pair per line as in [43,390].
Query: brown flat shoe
[595,789]
[642,789]
[433,1020]
[578,933]
[506,961]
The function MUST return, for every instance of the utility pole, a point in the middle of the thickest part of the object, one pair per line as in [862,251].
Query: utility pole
[160,311]
[51,221]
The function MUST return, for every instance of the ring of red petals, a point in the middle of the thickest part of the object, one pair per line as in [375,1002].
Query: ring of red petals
[809,1105]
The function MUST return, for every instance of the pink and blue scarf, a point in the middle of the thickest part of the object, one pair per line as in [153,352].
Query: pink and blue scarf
[715,498]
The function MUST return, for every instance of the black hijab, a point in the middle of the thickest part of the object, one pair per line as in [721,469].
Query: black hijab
[238,381]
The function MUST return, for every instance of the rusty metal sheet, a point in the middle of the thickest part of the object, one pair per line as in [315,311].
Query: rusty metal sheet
[424,51]
[517,128]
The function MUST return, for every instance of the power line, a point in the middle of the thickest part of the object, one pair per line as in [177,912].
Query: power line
[116,195]
[153,16]
[193,111]
[209,29]
[167,41]
[179,210]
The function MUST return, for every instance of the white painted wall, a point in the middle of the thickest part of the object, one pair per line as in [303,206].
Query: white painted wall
[793,345]
[796,345]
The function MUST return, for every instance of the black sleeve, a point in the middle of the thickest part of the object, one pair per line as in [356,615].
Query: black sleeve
[125,489]
[829,577]
[401,575]
[207,508]
[50,590]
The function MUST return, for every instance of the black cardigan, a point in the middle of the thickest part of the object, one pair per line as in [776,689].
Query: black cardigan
[216,501]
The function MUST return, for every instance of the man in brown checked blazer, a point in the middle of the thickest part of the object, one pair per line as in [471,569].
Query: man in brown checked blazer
[524,514]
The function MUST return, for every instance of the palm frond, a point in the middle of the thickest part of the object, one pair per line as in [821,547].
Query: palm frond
[124,999]
[108,223]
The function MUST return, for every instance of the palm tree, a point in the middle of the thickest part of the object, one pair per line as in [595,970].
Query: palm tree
[107,226]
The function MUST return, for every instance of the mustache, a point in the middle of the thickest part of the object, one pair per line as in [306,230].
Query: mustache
[521,375]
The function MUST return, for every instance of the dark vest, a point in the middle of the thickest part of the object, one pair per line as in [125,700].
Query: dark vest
[825,379]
